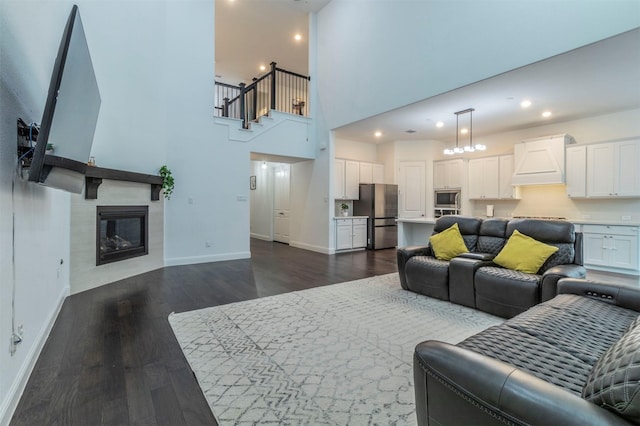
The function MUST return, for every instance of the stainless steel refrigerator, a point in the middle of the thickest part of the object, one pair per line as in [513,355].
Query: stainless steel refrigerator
[380,203]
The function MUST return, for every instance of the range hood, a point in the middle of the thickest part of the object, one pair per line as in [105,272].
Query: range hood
[540,161]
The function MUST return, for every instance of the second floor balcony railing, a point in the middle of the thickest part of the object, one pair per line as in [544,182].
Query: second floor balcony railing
[279,90]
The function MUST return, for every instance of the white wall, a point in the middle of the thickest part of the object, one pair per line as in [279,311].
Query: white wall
[375,56]
[353,150]
[41,214]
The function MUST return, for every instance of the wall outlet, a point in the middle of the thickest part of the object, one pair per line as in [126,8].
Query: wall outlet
[625,217]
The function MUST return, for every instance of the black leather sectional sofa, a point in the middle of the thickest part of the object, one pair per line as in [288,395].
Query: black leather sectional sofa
[473,280]
[572,360]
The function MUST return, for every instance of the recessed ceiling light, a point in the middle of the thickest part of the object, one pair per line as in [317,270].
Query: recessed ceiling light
[378,133]
[464,130]
[297,37]
[262,68]
[439,124]
[525,103]
[546,114]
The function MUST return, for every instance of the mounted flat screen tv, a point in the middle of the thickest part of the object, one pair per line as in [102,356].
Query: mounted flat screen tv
[70,114]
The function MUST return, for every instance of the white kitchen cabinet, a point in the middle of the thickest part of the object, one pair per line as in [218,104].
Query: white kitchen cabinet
[371,173]
[576,169]
[346,179]
[378,173]
[366,173]
[505,188]
[612,169]
[490,178]
[484,178]
[447,174]
[611,248]
[359,233]
[351,233]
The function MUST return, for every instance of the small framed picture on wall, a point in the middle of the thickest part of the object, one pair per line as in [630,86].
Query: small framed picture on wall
[252,182]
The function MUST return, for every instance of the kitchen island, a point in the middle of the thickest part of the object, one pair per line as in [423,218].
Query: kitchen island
[414,231]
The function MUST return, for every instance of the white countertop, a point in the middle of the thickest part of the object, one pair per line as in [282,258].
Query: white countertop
[427,220]
[603,222]
[351,217]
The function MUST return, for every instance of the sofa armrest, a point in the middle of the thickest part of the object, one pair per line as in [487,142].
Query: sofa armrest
[462,270]
[457,386]
[550,278]
[623,295]
[478,256]
[406,253]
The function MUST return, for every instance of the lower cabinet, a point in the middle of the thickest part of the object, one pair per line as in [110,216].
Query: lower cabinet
[351,233]
[611,248]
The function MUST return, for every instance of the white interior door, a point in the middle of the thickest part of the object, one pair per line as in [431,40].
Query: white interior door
[411,189]
[281,194]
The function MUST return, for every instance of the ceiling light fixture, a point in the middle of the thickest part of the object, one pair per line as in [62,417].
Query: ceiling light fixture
[264,165]
[546,114]
[468,148]
[525,104]
[378,133]
[263,68]
[439,124]
[297,37]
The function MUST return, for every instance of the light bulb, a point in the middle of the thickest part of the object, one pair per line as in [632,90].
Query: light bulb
[468,148]
[448,151]
[480,147]
[264,165]
[458,150]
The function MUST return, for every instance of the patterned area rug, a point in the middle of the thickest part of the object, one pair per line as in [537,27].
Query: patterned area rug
[337,355]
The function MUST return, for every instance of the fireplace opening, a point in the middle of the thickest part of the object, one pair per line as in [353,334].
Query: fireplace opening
[121,233]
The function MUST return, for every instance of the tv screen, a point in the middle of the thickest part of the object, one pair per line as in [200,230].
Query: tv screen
[70,114]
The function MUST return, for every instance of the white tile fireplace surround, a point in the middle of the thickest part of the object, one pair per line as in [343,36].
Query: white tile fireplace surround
[84,273]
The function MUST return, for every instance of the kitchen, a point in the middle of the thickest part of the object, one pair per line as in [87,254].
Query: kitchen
[596,188]
[604,218]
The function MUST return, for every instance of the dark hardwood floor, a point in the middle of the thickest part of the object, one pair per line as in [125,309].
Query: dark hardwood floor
[112,359]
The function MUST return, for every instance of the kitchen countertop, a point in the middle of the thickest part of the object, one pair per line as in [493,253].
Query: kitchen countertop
[351,217]
[603,222]
[429,220]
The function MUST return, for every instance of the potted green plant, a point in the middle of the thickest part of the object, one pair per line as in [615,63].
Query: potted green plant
[167,181]
[344,208]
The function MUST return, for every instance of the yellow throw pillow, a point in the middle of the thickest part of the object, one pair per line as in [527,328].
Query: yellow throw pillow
[523,253]
[448,244]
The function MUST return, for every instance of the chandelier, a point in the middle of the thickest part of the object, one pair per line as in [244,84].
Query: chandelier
[467,148]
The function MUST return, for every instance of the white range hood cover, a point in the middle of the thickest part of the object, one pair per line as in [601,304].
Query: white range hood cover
[540,161]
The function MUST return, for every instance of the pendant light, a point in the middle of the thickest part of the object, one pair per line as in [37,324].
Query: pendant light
[467,148]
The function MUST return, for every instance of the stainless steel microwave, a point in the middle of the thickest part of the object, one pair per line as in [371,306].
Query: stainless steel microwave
[447,199]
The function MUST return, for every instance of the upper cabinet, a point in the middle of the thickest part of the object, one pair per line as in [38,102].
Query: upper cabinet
[349,174]
[490,178]
[484,178]
[576,161]
[346,179]
[447,174]
[604,170]
[371,173]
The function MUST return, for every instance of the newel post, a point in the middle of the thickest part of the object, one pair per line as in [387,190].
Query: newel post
[242,105]
[273,85]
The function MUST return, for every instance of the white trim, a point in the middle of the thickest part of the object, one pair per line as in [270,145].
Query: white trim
[311,247]
[261,237]
[10,403]
[177,261]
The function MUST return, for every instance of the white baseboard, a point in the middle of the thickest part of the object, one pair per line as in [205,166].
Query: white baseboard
[177,261]
[261,237]
[17,387]
[311,247]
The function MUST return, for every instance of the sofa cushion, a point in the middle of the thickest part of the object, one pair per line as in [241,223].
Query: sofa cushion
[505,292]
[429,276]
[448,244]
[523,253]
[614,382]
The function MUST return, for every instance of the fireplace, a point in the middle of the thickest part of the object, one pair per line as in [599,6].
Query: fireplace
[121,233]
